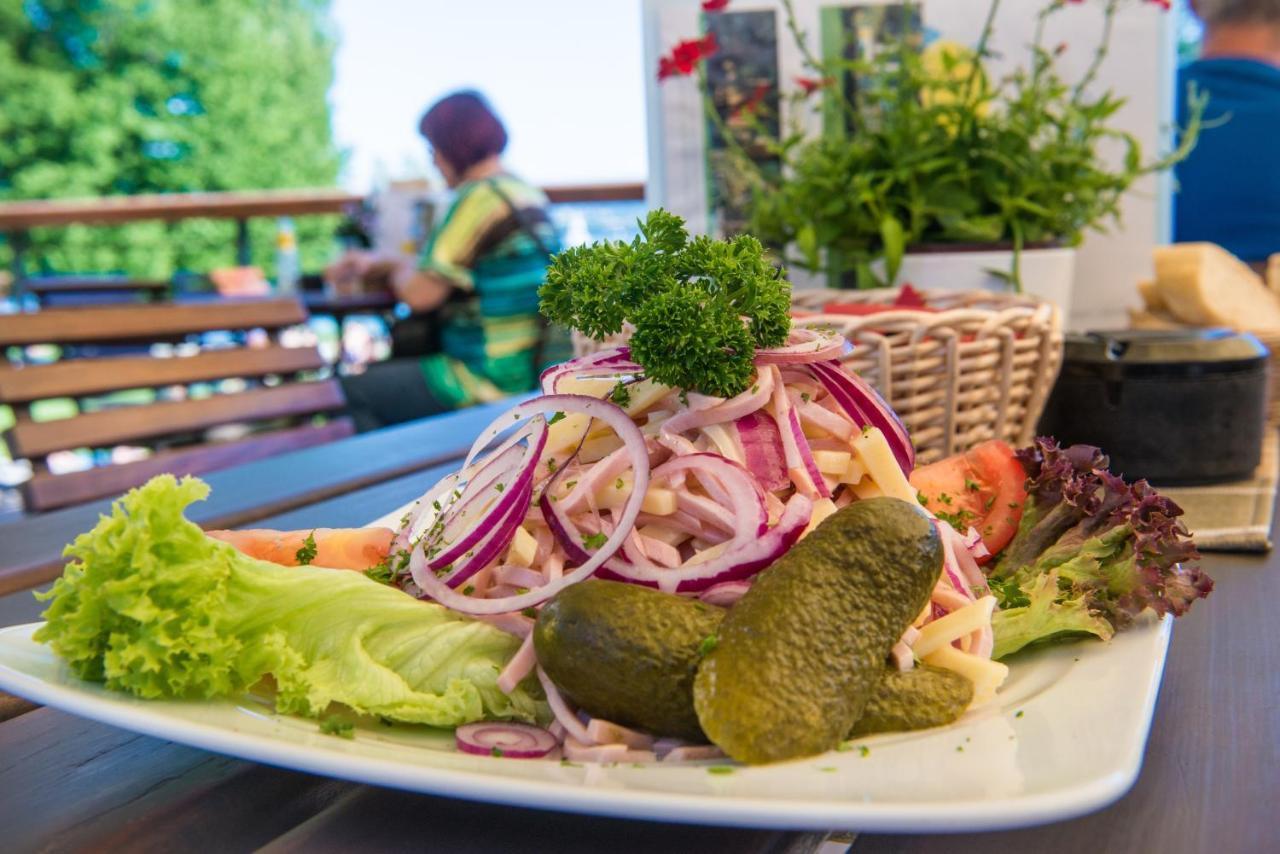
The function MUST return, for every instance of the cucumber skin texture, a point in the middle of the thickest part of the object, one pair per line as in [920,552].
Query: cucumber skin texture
[919,698]
[801,653]
[627,653]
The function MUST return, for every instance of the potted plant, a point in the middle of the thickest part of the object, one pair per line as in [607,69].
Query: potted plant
[930,170]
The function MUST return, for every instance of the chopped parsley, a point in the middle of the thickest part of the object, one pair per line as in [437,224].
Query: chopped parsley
[720,769]
[844,747]
[551,463]
[499,486]
[619,483]
[804,395]
[1018,713]
[334,725]
[496,751]
[971,485]
[565,763]
[709,643]
[571,484]
[555,416]
[864,751]
[307,553]
[531,613]
[468,590]
[595,541]
[621,395]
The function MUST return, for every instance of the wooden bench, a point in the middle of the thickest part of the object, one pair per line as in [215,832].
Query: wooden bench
[52,291]
[174,429]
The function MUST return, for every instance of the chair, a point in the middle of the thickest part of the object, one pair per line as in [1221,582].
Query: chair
[176,430]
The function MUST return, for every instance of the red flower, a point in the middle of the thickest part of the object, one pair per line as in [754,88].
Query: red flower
[714,5]
[812,84]
[685,56]
[1165,5]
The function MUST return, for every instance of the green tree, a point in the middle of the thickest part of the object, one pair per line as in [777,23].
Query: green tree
[109,97]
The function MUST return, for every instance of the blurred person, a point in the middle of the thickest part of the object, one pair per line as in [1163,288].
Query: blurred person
[1229,187]
[474,333]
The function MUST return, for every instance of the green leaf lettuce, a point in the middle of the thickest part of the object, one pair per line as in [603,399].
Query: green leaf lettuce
[151,606]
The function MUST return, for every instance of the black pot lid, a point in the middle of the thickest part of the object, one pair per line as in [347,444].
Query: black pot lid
[1160,346]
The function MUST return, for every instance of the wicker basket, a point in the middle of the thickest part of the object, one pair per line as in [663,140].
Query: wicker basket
[982,367]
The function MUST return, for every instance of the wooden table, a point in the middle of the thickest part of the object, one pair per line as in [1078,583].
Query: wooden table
[18,218]
[1211,774]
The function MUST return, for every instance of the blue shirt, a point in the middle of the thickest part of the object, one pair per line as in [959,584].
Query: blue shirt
[1229,187]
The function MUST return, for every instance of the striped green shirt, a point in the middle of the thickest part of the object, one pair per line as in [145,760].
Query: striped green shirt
[482,248]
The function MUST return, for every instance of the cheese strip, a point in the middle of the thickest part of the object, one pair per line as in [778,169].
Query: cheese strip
[985,674]
[822,508]
[832,462]
[954,626]
[657,500]
[873,451]
[523,548]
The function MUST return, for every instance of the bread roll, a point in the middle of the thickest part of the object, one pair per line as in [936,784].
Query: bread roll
[1204,285]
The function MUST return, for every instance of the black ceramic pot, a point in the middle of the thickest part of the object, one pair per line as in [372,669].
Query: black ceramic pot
[1177,408]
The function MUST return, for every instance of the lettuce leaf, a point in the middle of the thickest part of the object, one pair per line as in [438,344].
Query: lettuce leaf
[151,606]
[1112,549]
[1042,615]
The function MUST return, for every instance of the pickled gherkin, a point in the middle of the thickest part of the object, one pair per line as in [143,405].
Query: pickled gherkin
[798,658]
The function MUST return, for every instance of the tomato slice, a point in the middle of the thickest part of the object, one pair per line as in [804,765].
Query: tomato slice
[983,488]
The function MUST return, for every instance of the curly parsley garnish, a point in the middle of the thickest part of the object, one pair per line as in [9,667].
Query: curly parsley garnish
[687,298]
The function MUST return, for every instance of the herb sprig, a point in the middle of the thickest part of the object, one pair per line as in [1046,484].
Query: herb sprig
[700,307]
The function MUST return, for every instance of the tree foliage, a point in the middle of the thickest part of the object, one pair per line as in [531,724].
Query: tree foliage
[110,97]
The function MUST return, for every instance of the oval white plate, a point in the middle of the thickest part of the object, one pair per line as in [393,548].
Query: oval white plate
[1065,737]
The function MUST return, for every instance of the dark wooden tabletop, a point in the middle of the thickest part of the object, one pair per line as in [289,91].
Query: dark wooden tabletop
[1211,772]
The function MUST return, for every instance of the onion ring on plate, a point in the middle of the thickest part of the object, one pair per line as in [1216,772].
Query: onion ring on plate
[804,345]
[632,439]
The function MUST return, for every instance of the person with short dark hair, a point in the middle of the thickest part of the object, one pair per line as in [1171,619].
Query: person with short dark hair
[1229,186]
[474,334]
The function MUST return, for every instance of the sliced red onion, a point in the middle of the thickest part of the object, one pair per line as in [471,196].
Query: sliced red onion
[491,545]
[512,741]
[725,594]
[864,405]
[741,557]
[604,363]
[631,438]
[461,523]
[729,410]
[804,345]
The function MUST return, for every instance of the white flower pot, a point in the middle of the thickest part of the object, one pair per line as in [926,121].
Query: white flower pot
[1046,273]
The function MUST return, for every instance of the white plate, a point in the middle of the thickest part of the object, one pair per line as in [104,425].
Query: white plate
[1066,736]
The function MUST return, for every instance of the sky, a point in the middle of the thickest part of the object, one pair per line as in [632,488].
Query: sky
[565,75]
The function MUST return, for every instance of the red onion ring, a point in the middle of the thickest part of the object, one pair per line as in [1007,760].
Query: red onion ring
[804,345]
[864,405]
[725,594]
[631,437]
[508,504]
[512,741]
[604,363]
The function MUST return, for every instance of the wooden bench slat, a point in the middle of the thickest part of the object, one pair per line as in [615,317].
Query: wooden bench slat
[45,491]
[123,323]
[80,377]
[132,423]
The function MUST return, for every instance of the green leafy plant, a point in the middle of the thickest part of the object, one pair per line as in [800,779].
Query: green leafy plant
[153,96]
[930,150]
